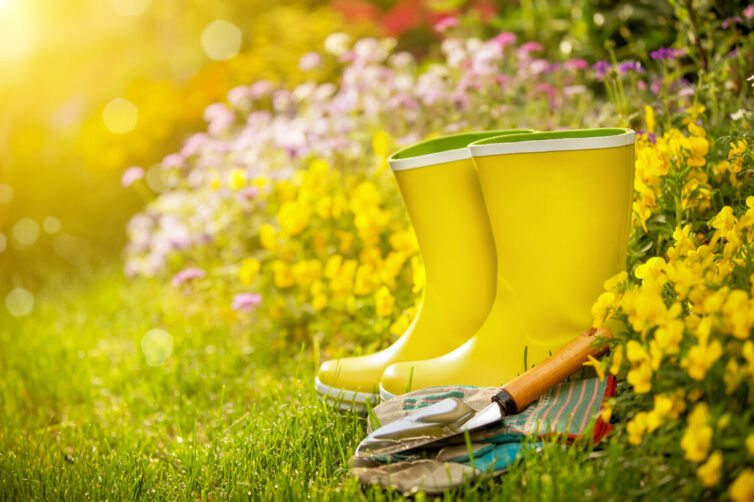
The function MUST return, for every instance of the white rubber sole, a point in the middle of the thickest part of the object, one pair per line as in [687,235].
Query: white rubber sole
[345,399]
[385,395]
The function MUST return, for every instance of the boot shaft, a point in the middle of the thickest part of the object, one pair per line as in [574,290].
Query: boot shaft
[559,206]
[445,205]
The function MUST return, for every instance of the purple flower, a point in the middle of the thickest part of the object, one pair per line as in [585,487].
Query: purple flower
[628,66]
[601,67]
[505,38]
[132,174]
[245,302]
[664,53]
[749,11]
[445,23]
[731,20]
[187,275]
[576,64]
[309,61]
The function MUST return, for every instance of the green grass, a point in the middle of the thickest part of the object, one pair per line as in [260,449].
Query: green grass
[232,414]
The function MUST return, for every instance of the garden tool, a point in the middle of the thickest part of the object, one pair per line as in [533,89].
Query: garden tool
[559,205]
[452,416]
[564,412]
[444,202]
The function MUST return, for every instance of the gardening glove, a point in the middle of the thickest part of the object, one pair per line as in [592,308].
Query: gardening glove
[564,411]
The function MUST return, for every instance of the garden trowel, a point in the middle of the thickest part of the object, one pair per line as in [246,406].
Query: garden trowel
[450,417]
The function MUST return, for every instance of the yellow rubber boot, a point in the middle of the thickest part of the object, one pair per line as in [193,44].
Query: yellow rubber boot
[445,204]
[559,205]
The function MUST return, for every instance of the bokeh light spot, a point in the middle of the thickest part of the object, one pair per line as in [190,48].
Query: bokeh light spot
[157,345]
[19,302]
[3,242]
[120,115]
[26,231]
[130,7]
[51,225]
[221,40]
[6,191]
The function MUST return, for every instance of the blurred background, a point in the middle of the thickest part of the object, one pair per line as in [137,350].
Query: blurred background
[89,88]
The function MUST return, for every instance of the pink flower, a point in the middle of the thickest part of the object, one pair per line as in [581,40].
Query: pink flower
[749,11]
[530,47]
[132,174]
[245,302]
[248,192]
[309,61]
[547,89]
[173,160]
[445,23]
[576,64]
[187,275]
[505,38]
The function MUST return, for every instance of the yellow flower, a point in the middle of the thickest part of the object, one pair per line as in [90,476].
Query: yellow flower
[293,217]
[317,172]
[750,444]
[698,147]
[742,489]
[663,405]
[267,237]
[404,241]
[607,411]
[237,179]
[384,302]
[342,284]
[736,156]
[282,274]
[738,314]
[651,271]
[636,428]
[602,308]
[319,302]
[367,280]
[617,359]
[333,266]
[323,207]
[669,336]
[649,118]
[701,357]
[640,377]
[598,366]
[697,438]
[215,180]
[364,197]
[285,190]
[381,143]
[307,271]
[615,282]
[248,271]
[709,472]
[400,325]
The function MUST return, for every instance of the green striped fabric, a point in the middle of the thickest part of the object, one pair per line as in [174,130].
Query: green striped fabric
[566,409]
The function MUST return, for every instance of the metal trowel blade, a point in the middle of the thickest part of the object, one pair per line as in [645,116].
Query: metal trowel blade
[433,424]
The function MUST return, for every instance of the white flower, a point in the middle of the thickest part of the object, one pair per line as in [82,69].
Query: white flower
[337,43]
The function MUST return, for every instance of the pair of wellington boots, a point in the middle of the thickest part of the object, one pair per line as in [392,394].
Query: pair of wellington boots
[518,230]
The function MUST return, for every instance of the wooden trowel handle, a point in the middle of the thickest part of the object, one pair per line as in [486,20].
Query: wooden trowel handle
[526,388]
